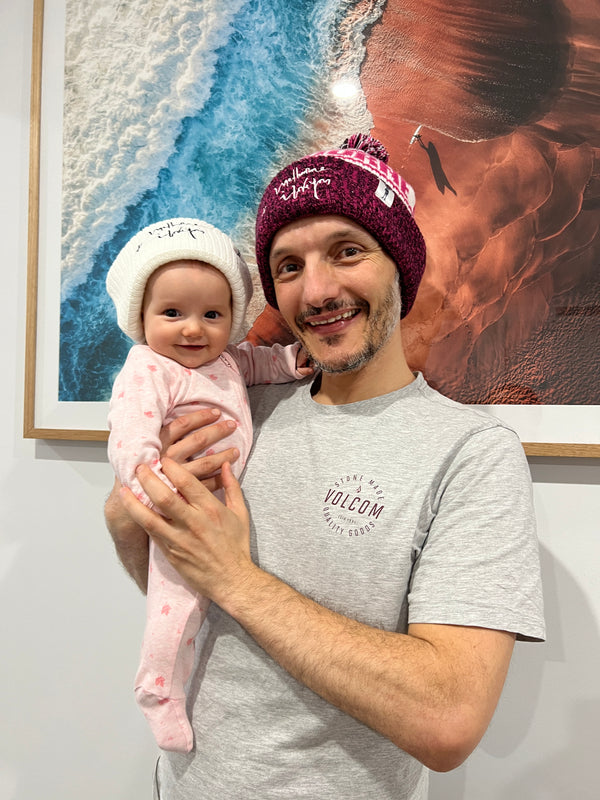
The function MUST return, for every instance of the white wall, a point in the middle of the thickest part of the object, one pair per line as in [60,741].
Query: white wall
[70,619]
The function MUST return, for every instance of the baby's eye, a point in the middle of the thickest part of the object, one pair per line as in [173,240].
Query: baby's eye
[171,312]
[212,315]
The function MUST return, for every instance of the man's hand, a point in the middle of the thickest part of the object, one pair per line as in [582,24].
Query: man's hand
[205,541]
[182,439]
[195,433]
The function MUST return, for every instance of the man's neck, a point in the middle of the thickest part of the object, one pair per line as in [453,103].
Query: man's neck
[372,380]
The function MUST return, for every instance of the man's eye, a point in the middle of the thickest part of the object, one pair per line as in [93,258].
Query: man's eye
[288,268]
[350,252]
[171,312]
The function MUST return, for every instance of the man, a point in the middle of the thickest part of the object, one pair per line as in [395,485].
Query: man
[364,616]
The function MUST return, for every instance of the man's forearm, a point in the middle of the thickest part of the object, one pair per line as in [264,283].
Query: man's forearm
[131,541]
[433,697]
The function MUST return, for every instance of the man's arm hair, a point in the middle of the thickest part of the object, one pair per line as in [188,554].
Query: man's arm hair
[131,542]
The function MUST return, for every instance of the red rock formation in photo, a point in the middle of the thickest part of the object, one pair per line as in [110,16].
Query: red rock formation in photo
[506,169]
[506,172]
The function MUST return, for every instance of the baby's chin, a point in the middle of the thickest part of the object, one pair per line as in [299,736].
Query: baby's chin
[189,356]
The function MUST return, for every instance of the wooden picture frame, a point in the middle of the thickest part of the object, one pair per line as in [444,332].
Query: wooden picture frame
[45,427]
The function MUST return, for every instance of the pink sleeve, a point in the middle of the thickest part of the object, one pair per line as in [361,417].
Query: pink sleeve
[276,364]
[138,406]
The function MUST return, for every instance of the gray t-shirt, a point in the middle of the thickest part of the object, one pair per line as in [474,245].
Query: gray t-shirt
[404,508]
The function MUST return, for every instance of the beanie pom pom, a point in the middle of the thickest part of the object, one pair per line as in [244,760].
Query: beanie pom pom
[365,142]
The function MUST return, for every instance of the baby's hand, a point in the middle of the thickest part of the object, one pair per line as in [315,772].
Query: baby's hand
[304,363]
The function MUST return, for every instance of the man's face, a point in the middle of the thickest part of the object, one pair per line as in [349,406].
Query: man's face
[337,290]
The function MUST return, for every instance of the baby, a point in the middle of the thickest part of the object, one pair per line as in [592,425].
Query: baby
[181,290]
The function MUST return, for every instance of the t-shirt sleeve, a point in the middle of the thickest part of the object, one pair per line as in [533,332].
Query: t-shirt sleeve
[479,563]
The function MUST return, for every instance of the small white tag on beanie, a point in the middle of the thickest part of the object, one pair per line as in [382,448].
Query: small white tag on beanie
[385,194]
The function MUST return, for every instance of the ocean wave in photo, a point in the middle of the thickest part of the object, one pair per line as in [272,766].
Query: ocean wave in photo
[185,108]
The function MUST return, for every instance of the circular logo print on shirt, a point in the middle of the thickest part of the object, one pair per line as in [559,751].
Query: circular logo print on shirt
[353,505]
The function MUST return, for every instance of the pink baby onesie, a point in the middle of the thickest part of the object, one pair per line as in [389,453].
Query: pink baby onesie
[149,392]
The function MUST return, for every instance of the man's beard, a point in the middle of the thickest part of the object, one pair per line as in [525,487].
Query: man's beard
[380,327]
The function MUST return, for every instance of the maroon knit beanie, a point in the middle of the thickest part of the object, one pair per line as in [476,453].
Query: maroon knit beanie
[355,182]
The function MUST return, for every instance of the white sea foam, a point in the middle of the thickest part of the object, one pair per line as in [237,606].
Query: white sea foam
[133,71]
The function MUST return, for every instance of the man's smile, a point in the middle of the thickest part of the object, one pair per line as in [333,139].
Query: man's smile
[330,320]
[334,318]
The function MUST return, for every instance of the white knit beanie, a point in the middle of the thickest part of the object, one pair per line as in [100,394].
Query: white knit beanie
[174,240]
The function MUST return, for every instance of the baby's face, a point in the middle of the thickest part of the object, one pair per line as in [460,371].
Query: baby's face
[187,312]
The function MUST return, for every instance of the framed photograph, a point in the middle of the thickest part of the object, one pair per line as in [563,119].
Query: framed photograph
[142,112]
